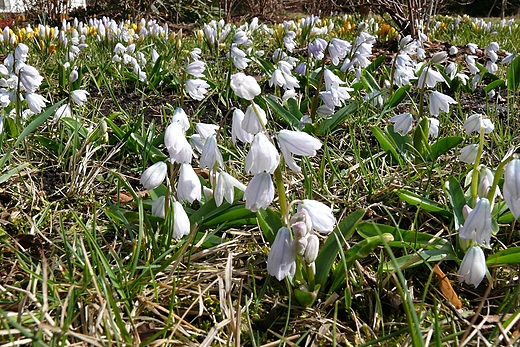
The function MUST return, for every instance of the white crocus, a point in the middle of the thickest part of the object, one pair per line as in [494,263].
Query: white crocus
[181,221]
[154,175]
[259,192]
[297,143]
[439,101]
[262,156]
[225,188]
[477,226]
[473,267]
[189,187]
[402,123]
[320,214]
[79,96]
[245,87]
[281,260]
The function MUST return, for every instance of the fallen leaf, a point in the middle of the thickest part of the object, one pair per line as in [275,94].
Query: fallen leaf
[446,288]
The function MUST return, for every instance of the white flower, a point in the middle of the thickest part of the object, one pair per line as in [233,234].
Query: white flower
[474,122]
[338,49]
[312,249]
[178,147]
[189,187]
[430,77]
[205,130]
[179,116]
[477,226]
[73,76]
[298,143]
[281,260]
[239,58]
[321,215]
[196,69]
[259,192]
[439,57]
[402,123]
[211,154]
[472,47]
[251,122]
[225,188]
[262,156]
[158,207]
[1,124]
[181,221]
[197,88]
[36,102]
[21,51]
[154,175]
[439,101]
[79,96]
[473,267]
[433,128]
[30,78]
[512,186]
[454,50]
[236,128]
[245,87]
[468,154]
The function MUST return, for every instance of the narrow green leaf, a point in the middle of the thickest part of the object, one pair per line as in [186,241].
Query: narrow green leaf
[12,172]
[290,118]
[443,145]
[493,85]
[387,143]
[510,256]
[513,74]
[457,200]
[269,222]
[422,202]
[398,96]
[337,118]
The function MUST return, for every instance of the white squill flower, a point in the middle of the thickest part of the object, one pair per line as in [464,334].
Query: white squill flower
[154,175]
[189,187]
[474,122]
[245,87]
[178,147]
[236,128]
[430,77]
[197,88]
[433,129]
[225,188]
[254,120]
[402,123]
[79,96]
[512,186]
[181,221]
[468,154]
[179,116]
[158,207]
[196,68]
[259,192]
[211,154]
[36,102]
[297,143]
[262,156]
[321,215]
[62,111]
[473,267]
[282,258]
[439,101]
[477,226]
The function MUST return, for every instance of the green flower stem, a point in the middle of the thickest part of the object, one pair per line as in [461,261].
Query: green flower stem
[474,175]
[311,283]
[282,198]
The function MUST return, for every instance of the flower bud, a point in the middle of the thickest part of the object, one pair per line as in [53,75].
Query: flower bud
[439,57]
[300,245]
[312,249]
[299,229]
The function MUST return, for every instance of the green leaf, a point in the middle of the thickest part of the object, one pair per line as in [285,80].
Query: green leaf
[155,153]
[457,199]
[75,126]
[270,222]
[510,256]
[375,64]
[230,215]
[337,118]
[443,145]
[493,85]
[513,74]
[12,172]
[387,143]
[402,238]
[306,299]
[420,139]
[422,202]
[398,96]
[334,242]
[290,118]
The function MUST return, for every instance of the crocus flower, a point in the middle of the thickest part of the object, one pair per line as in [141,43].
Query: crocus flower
[320,214]
[236,128]
[262,156]
[298,143]
[473,267]
[154,175]
[439,101]
[225,188]
[79,96]
[181,221]
[245,87]
[468,154]
[477,226]
[402,123]
[189,187]
[211,154]
[197,88]
[259,192]
[36,102]
[282,258]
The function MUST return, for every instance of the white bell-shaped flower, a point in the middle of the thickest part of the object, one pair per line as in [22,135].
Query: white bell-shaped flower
[473,267]
[259,192]
[181,221]
[281,260]
[477,226]
[262,156]
[154,175]
[321,215]
[297,143]
[189,187]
